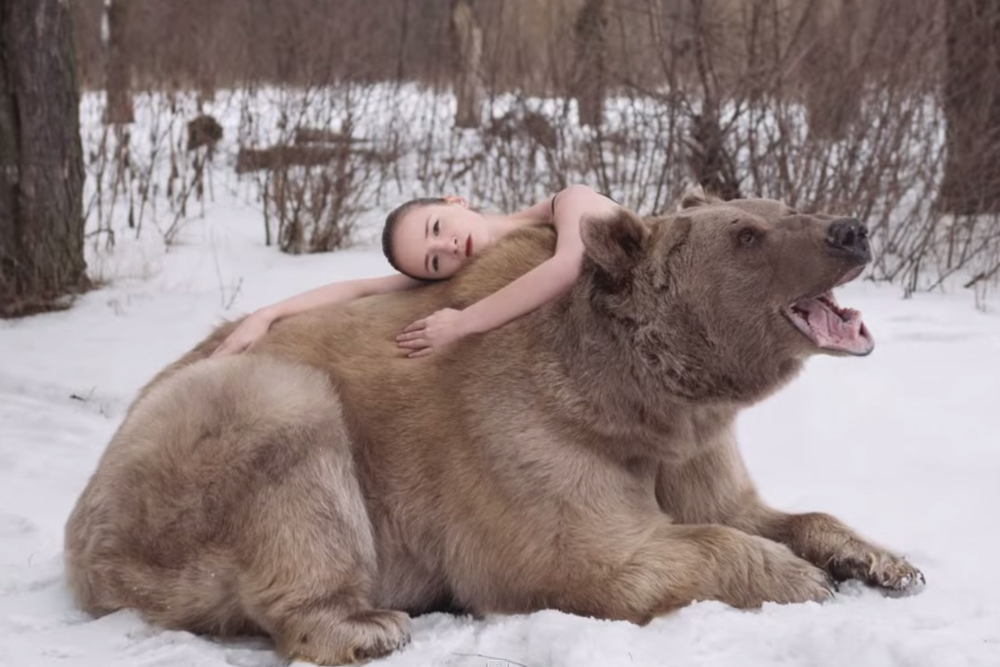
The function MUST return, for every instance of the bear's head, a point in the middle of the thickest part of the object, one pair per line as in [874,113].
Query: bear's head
[723,300]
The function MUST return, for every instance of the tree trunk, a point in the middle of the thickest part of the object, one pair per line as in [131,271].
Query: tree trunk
[468,40]
[833,84]
[41,161]
[591,61]
[710,160]
[971,181]
[118,78]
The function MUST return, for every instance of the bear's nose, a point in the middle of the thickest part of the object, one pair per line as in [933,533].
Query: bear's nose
[849,235]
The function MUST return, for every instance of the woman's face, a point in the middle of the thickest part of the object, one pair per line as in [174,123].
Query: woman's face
[435,240]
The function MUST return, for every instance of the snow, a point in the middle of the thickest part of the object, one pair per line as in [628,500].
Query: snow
[902,445]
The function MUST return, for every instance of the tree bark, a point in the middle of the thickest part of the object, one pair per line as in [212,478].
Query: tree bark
[971,182]
[833,84]
[468,40]
[591,61]
[41,161]
[118,76]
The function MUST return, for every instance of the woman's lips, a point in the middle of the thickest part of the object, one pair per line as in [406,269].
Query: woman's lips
[468,246]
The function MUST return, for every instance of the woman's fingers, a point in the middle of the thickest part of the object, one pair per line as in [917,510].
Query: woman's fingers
[414,343]
[416,326]
[413,335]
[233,345]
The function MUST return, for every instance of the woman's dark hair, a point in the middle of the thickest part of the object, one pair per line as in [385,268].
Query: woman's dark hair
[392,222]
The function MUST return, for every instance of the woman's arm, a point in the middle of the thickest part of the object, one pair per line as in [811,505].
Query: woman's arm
[336,293]
[253,328]
[551,278]
[539,213]
[535,288]
[545,282]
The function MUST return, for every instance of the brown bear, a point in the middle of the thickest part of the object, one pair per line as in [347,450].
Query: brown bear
[323,486]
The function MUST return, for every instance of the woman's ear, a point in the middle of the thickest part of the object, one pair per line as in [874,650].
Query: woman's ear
[455,199]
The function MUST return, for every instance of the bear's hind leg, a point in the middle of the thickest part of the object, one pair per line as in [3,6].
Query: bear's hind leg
[310,559]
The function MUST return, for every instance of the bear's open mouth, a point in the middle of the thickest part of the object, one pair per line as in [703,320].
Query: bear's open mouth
[830,326]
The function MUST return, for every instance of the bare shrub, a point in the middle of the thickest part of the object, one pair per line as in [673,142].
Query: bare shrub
[850,105]
[315,183]
[147,171]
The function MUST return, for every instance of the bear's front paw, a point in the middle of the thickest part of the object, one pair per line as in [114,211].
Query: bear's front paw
[879,568]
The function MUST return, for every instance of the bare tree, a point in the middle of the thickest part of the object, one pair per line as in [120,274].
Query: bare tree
[833,84]
[41,162]
[591,62]
[118,76]
[710,159]
[972,106]
[846,105]
[468,41]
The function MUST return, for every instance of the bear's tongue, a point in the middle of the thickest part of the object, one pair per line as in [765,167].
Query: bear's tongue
[831,326]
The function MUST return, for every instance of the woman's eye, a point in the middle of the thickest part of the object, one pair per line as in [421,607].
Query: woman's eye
[434,263]
[437,228]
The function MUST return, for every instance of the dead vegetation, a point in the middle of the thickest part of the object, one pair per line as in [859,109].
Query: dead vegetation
[879,109]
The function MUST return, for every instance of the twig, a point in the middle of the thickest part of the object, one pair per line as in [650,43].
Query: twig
[983,276]
[490,657]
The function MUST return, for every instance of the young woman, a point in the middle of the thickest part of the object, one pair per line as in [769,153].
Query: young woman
[431,239]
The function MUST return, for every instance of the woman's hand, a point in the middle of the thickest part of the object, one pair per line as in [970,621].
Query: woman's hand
[245,336]
[432,333]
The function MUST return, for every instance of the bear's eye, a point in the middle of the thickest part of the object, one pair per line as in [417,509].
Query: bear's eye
[748,237]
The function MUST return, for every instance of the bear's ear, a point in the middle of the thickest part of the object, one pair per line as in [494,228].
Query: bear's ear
[615,243]
[696,196]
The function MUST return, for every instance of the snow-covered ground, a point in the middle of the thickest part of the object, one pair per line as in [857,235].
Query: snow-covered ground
[904,445]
